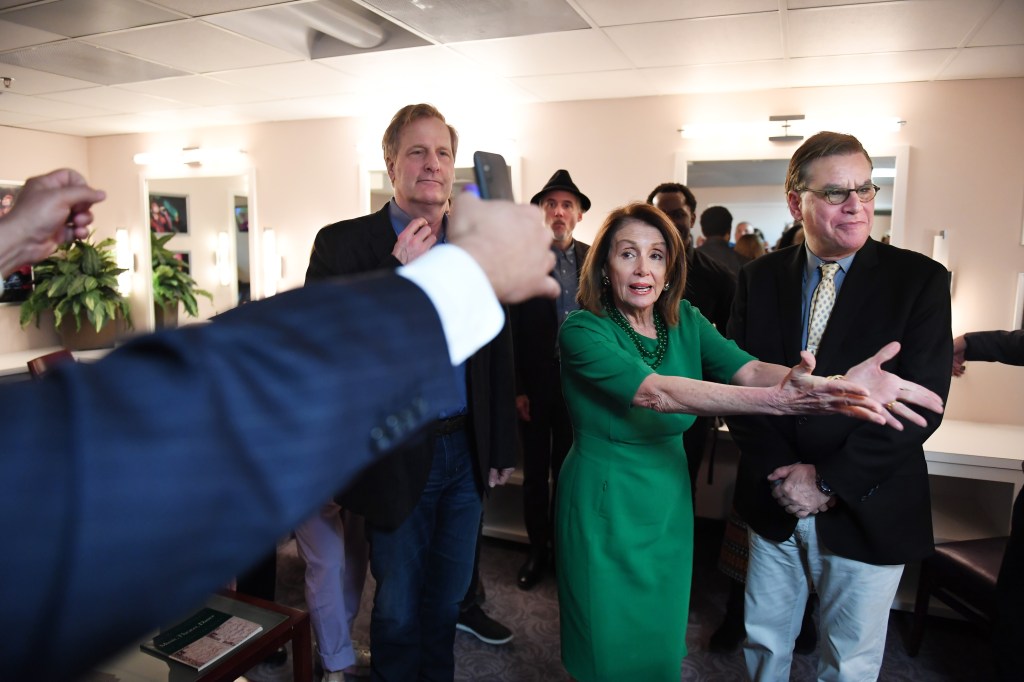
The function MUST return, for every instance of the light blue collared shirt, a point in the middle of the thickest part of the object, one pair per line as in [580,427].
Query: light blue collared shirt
[812,276]
[399,220]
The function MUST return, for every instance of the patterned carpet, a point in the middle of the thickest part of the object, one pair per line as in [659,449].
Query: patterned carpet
[952,650]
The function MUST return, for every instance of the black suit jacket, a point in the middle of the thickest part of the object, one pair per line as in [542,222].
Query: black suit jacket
[883,515]
[535,327]
[389,490]
[709,287]
[996,346]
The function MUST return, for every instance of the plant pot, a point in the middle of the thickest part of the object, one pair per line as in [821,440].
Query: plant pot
[87,338]
[166,316]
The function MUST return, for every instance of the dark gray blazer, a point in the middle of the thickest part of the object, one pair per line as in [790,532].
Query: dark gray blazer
[389,490]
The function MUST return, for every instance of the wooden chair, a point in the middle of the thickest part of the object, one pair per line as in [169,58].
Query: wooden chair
[44,363]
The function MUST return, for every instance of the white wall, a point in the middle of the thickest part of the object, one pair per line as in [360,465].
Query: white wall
[966,176]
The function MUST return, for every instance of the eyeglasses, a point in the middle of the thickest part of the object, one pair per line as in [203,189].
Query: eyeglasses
[836,195]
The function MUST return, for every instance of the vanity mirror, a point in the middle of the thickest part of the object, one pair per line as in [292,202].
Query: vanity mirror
[209,217]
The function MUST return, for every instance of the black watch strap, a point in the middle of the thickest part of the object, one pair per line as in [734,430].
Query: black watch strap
[823,486]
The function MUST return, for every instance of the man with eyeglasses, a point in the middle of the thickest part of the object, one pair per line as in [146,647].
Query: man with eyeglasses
[832,504]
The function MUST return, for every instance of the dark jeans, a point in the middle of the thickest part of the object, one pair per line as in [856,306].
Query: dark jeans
[546,440]
[423,568]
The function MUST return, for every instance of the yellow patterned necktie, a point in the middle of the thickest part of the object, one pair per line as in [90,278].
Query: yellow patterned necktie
[821,305]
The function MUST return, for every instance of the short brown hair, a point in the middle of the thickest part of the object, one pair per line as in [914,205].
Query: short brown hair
[405,116]
[818,146]
[591,285]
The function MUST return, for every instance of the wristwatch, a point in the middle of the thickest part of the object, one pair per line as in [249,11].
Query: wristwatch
[823,486]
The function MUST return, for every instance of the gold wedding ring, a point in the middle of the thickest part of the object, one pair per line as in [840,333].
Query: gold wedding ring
[891,405]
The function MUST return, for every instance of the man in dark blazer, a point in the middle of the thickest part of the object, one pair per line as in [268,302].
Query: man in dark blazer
[1008,630]
[544,422]
[423,507]
[119,515]
[843,505]
[710,288]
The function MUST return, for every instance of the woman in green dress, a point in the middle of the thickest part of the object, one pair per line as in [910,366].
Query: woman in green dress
[633,363]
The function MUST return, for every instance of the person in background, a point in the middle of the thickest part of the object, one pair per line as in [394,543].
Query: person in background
[1008,630]
[716,224]
[794,234]
[832,503]
[709,288]
[749,247]
[142,523]
[633,363]
[333,544]
[742,228]
[543,422]
[423,507]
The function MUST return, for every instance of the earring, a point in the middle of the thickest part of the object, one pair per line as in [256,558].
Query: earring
[605,281]
[667,285]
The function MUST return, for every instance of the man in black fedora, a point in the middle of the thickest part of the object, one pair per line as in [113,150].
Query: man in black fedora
[544,423]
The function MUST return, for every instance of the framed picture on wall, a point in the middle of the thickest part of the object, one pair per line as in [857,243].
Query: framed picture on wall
[242,213]
[168,213]
[17,285]
[186,258]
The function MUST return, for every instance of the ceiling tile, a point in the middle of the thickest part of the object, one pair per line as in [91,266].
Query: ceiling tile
[617,12]
[548,53]
[310,107]
[86,62]
[44,108]
[863,69]
[297,79]
[750,37]
[628,83]
[77,18]
[986,62]
[804,4]
[33,82]
[17,119]
[15,35]
[198,90]
[459,20]
[198,8]
[1004,27]
[106,125]
[883,27]
[194,46]
[115,99]
[433,64]
[719,77]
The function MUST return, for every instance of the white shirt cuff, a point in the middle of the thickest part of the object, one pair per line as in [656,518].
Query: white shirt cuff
[462,295]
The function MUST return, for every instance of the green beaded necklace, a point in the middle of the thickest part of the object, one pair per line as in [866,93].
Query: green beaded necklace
[652,358]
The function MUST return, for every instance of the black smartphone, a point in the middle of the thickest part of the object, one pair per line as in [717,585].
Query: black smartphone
[493,178]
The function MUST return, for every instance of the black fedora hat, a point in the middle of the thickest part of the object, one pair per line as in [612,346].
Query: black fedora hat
[561,180]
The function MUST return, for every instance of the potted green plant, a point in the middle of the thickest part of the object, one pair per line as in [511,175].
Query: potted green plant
[171,284]
[79,279]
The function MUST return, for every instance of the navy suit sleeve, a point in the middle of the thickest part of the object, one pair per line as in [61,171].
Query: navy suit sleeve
[997,346]
[136,486]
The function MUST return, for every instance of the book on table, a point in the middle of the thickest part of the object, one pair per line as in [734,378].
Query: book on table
[202,638]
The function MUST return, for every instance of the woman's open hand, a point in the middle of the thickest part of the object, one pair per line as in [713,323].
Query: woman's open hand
[892,391]
[800,392]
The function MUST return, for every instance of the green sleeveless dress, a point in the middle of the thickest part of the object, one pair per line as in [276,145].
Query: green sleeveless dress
[624,526]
